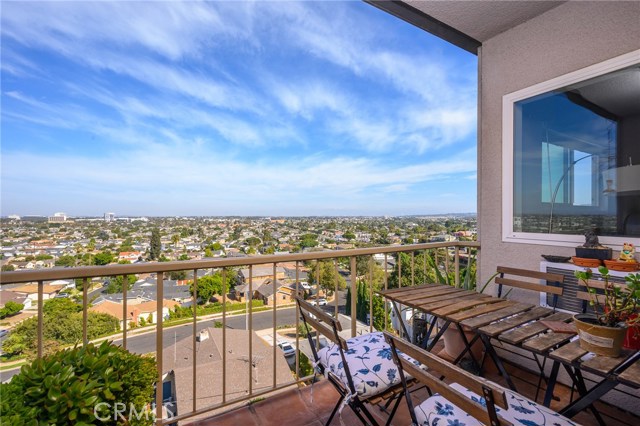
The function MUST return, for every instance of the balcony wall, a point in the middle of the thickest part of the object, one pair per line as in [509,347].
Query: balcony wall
[566,38]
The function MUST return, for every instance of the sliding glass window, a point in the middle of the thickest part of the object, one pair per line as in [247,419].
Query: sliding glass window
[576,158]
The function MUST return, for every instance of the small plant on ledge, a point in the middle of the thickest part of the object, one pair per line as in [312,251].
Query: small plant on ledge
[616,307]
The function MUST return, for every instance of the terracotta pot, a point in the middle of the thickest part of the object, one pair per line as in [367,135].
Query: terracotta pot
[454,345]
[599,339]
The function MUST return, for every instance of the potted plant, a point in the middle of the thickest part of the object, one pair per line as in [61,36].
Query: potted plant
[592,249]
[615,309]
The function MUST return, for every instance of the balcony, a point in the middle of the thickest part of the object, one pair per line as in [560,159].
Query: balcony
[227,367]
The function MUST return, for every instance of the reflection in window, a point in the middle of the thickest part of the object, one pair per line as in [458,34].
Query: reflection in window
[574,150]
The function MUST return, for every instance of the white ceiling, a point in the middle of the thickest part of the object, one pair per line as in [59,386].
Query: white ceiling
[483,19]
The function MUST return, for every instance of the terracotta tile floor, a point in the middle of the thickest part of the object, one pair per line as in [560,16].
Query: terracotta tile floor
[296,407]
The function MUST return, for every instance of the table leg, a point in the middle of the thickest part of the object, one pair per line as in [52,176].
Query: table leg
[438,336]
[589,398]
[404,328]
[467,346]
[551,383]
[496,359]
[578,380]
[425,341]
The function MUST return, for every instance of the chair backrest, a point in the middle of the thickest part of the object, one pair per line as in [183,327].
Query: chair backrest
[437,369]
[515,278]
[329,327]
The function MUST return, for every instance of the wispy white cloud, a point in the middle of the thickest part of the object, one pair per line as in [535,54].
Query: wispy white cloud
[195,173]
[246,103]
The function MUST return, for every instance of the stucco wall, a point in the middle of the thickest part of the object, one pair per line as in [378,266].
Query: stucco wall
[570,37]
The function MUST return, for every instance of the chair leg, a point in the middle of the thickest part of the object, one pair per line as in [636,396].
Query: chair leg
[335,410]
[360,405]
[393,411]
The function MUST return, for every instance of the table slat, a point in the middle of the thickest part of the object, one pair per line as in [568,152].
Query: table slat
[631,376]
[477,301]
[523,333]
[480,310]
[544,342]
[431,305]
[408,290]
[423,295]
[569,352]
[522,318]
[483,320]
[603,364]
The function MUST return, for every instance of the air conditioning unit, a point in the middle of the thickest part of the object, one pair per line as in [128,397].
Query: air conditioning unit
[568,302]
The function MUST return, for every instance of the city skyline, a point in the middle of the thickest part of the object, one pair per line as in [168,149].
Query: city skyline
[232,109]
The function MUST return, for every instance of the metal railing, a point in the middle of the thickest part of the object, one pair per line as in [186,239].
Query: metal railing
[442,257]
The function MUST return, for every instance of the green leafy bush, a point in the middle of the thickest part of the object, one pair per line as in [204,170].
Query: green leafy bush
[71,387]
[212,308]
[62,325]
[10,308]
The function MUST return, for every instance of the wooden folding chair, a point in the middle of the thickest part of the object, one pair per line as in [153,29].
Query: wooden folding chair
[467,399]
[361,368]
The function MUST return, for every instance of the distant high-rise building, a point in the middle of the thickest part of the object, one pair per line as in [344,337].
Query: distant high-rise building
[109,217]
[58,217]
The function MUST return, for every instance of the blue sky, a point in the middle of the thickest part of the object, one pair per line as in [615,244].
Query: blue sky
[232,108]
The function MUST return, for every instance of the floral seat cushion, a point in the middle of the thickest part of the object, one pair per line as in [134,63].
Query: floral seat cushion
[370,363]
[437,411]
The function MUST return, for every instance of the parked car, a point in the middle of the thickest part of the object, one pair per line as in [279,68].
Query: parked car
[305,285]
[3,332]
[320,302]
[60,295]
[287,348]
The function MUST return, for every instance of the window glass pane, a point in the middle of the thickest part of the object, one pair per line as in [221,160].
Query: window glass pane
[574,150]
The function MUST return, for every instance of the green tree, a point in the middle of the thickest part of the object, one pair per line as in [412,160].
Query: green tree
[183,257]
[349,235]
[66,261]
[177,275]
[215,246]
[8,268]
[308,240]
[208,252]
[62,320]
[127,245]
[43,257]
[103,258]
[208,286]
[115,284]
[362,306]
[253,241]
[328,276]
[155,244]
[10,308]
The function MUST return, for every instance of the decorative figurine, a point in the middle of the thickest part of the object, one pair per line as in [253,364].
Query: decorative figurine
[628,253]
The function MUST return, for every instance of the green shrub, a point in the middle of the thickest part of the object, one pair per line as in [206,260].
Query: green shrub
[212,308]
[10,308]
[66,387]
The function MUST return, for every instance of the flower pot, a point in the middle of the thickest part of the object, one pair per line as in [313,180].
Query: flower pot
[454,345]
[599,339]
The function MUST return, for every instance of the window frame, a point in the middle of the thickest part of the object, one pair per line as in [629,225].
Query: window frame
[508,118]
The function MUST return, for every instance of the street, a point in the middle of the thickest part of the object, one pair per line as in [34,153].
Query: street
[146,342]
